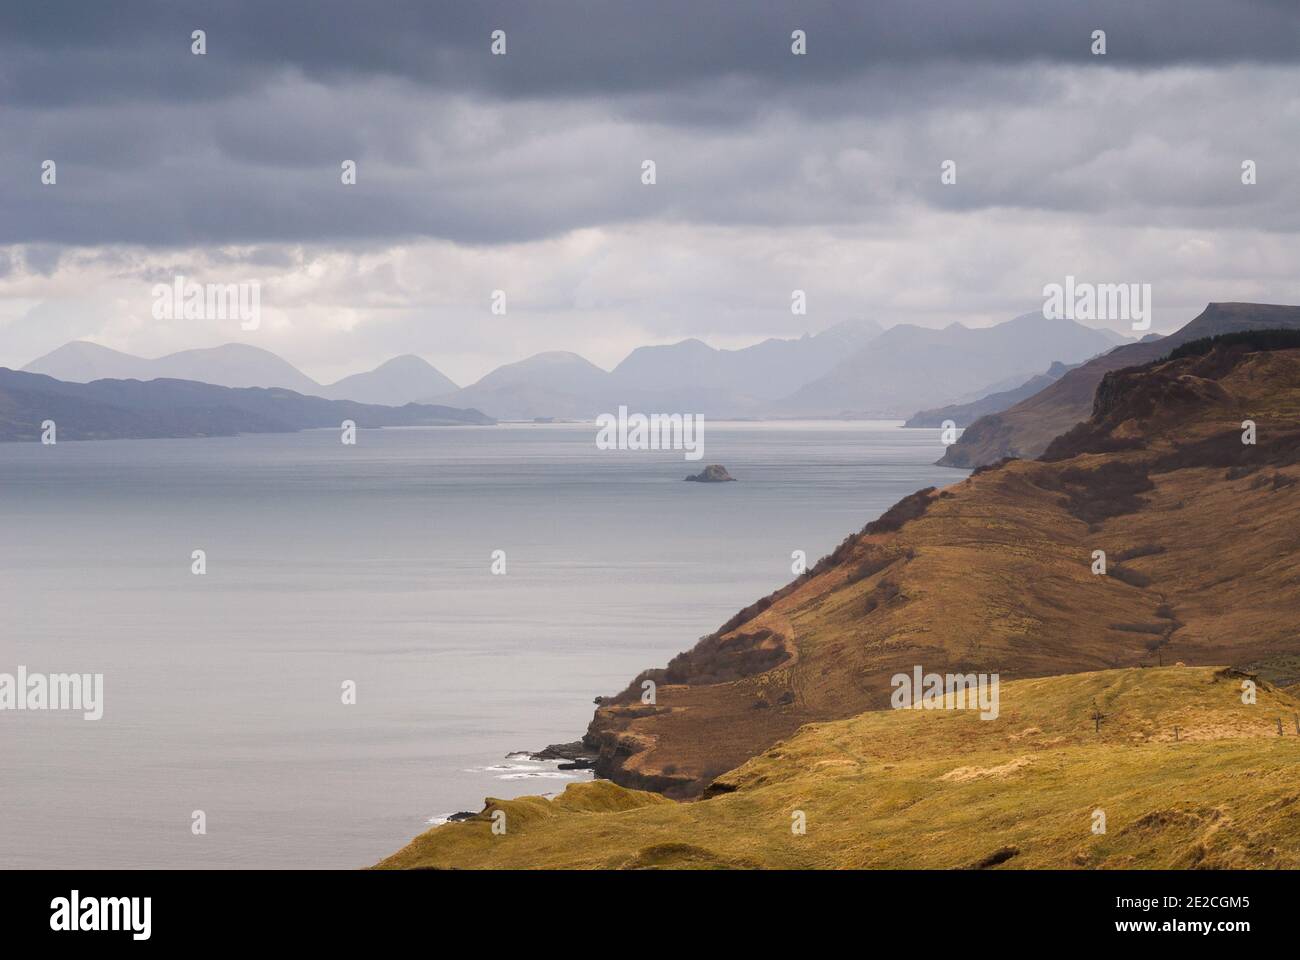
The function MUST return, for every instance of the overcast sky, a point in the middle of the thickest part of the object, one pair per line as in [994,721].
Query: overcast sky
[522,172]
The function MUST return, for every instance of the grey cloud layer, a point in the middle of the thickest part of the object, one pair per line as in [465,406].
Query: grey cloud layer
[1160,147]
[156,146]
[62,51]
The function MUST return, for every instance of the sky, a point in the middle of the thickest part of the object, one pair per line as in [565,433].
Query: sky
[523,172]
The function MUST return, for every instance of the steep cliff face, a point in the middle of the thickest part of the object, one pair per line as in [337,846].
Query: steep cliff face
[995,575]
[1025,429]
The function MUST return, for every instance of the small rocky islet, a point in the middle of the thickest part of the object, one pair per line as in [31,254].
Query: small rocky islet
[713,473]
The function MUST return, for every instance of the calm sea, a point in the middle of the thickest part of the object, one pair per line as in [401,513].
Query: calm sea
[371,564]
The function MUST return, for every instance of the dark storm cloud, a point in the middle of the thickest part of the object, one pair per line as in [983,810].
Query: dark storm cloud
[62,51]
[158,147]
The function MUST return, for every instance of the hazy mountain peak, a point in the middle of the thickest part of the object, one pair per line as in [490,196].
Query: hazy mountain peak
[910,367]
[860,329]
[408,360]
[546,356]
[83,347]
[234,365]
[395,382]
[81,361]
[227,365]
[552,358]
[553,368]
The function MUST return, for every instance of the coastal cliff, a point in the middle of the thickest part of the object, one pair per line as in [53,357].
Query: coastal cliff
[994,574]
[997,574]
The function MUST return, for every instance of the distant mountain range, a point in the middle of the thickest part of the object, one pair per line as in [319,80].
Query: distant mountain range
[852,369]
[399,381]
[123,409]
[688,376]
[908,368]
[769,370]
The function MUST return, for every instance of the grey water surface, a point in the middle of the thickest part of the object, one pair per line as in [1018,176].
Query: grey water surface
[371,563]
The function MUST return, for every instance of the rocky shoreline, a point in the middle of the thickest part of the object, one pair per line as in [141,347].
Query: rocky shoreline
[572,756]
